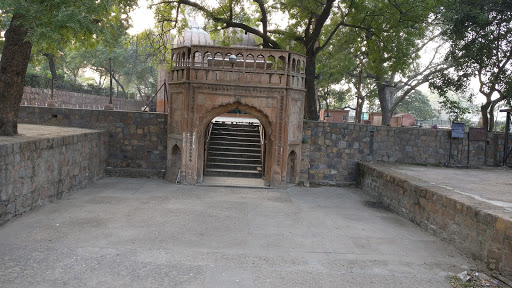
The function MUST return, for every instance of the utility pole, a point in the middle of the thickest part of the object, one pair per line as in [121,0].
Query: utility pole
[109,106]
[110,73]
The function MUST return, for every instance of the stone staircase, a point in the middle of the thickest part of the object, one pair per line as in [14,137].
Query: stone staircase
[234,150]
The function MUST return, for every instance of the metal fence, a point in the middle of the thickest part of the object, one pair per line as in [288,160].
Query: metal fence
[37,81]
[438,122]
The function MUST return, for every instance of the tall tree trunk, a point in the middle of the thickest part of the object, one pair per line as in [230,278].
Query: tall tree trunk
[485,116]
[491,115]
[385,95]
[362,100]
[310,108]
[13,69]
[51,64]
[53,70]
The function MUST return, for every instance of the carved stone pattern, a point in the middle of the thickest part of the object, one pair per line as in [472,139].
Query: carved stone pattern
[280,130]
[298,95]
[239,90]
[176,87]
[192,106]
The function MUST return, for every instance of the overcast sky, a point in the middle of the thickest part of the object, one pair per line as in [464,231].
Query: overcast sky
[142,18]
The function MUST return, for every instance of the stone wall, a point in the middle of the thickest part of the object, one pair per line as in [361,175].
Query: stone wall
[36,171]
[39,97]
[331,151]
[479,231]
[137,142]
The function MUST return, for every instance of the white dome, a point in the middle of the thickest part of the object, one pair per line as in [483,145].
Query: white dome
[193,36]
[246,41]
[197,36]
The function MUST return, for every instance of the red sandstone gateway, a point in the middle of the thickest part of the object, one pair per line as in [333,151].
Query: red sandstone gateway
[207,81]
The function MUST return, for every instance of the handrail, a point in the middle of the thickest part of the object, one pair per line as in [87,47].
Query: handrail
[178,177]
[261,134]
[150,101]
[209,132]
[262,140]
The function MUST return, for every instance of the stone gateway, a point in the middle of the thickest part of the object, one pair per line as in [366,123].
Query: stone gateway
[205,82]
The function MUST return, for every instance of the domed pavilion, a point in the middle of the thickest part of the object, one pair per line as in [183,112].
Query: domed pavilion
[233,111]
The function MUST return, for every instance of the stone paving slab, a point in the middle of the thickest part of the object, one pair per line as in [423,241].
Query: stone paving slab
[492,185]
[28,132]
[123,232]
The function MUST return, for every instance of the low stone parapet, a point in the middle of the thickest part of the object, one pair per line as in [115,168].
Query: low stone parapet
[478,229]
[137,140]
[44,163]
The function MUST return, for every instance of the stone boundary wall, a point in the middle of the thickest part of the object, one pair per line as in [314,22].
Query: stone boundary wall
[39,97]
[331,151]
[137,142]
[476,229]
[37,171]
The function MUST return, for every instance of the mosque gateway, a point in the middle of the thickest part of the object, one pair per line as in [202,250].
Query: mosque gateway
[233,111]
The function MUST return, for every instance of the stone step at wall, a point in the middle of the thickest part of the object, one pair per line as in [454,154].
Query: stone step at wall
[234,150]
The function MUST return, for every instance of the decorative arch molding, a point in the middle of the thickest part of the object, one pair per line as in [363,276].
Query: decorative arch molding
[261,116]
[221,109]
[203,84]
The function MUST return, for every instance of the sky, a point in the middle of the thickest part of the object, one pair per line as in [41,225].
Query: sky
[142,18]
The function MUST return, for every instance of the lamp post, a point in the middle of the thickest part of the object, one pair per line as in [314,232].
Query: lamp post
[232,60]
[109,106]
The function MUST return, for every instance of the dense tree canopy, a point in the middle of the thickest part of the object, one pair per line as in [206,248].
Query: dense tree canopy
[418,105]
[47,25]
[308,26]
[480,37]
[368,48]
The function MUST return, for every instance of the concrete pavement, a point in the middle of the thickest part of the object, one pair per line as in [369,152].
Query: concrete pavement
[492,185]
[123,232]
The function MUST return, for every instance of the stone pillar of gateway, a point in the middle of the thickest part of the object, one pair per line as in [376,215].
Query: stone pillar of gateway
[205,82]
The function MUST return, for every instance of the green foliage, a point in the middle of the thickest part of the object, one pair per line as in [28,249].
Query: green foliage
[155,47]
[131,68]
[418,105]
[392,33]
[457,106]
[54,24]
[132,71]
[480,36]
[384,47]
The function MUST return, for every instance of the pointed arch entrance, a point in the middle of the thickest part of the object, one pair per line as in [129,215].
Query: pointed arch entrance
[206,82]
[266,136]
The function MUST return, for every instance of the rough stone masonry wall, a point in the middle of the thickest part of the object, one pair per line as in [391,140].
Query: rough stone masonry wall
[38,171]
[476,229]
[331,151]
[39,97]
[137,142]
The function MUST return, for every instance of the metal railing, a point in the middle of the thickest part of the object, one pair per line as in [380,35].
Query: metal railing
[146,107]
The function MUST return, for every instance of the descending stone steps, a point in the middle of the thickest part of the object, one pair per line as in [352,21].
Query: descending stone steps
[234,150]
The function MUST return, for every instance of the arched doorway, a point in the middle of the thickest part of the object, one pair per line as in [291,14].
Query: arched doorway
[234,146]
[259,82]
[248,150]
[175,167]
[291,167]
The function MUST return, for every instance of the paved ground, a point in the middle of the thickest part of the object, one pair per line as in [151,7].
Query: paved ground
[147,233]
[28,132]
[233,182]
[489,184]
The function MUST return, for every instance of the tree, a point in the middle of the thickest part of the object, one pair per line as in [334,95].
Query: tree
[47,25]
[397,34]
[480,37]
[73,63]
[457,106]
[418,105]
[331,69]
[311,26]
